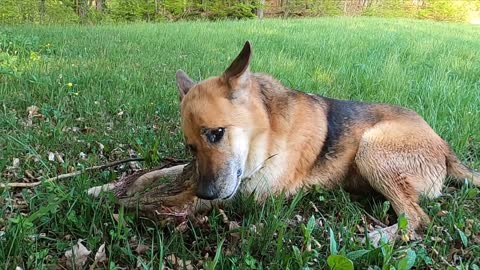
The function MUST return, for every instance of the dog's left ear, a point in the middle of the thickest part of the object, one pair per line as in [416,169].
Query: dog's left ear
[184,83]
[238,73]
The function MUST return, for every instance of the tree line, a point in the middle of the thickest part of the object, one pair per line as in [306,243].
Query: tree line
[98,11]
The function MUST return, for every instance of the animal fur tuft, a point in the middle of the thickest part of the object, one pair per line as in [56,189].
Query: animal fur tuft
[458,170]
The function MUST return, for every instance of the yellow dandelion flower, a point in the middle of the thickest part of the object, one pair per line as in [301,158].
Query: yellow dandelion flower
[405,237]
[151,104]
[77,94]
[34,56]
[70,84]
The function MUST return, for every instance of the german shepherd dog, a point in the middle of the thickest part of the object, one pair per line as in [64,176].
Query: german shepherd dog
[249,133]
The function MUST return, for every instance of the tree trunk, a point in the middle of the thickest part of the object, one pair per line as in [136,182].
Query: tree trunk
[83,10]
[41,8]
[260,9]
[99,5]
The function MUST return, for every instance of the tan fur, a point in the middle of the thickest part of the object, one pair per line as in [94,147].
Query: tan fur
[380,147]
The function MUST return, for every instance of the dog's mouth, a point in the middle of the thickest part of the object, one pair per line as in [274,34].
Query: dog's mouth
[239,180]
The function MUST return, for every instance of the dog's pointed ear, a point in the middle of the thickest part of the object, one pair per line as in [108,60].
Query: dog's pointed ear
[184,83]
[239,72]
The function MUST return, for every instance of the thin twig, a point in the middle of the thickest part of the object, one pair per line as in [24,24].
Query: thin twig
[376,221]
[441,257]
[68,175]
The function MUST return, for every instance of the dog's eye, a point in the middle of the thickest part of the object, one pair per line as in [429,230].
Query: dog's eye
[215,135]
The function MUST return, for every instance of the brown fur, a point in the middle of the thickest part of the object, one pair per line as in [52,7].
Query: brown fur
[297,140]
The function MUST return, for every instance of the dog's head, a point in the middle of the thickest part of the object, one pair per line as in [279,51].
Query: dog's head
[217,116]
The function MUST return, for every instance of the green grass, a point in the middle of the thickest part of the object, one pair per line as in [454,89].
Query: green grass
[124,97]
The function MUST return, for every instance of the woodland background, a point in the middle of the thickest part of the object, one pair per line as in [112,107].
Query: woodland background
[111,11]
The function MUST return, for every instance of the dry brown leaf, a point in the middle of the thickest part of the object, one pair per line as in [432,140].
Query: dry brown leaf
[178,263]
[115,217]
[140,263]
[253,228]
[34,157]
[436,239]
[164,265]
[100,148]
[141,249]
[299,219]
[110,126]
[59,157]
[100,256]
[182,227]
[188,265]
[224,216]
[233,227]
[315,209]
[308,247]
[134,166]
[171,259]
[16,163]
[11,171]
[469,223]
[476,238]
[132,153]
[442,213]
[77,256]
[29,174]
[32,112]
[51,156]
[88,130]
[317,244]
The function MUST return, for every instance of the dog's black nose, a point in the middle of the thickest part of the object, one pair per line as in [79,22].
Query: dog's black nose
[207,192]
[239,173]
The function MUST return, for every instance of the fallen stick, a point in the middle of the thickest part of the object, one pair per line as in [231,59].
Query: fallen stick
[165,194]
[374,220]
[68,175]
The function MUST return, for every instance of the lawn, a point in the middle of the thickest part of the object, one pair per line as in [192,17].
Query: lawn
[106,92]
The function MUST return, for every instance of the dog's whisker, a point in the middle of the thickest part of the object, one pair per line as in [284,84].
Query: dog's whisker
[262,164]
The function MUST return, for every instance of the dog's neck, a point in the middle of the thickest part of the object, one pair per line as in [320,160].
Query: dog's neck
[290,115]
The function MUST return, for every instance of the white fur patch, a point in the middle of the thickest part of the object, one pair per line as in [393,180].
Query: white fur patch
[240,144]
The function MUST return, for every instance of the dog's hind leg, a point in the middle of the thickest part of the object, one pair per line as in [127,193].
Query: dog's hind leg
[401,162]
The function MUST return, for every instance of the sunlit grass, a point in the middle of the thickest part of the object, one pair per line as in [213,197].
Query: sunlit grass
[115,85]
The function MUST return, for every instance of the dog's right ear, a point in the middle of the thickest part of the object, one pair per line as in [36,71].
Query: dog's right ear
[238,73]
[184,83]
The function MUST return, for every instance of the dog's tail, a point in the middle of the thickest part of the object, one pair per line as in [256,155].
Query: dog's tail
[459,171]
